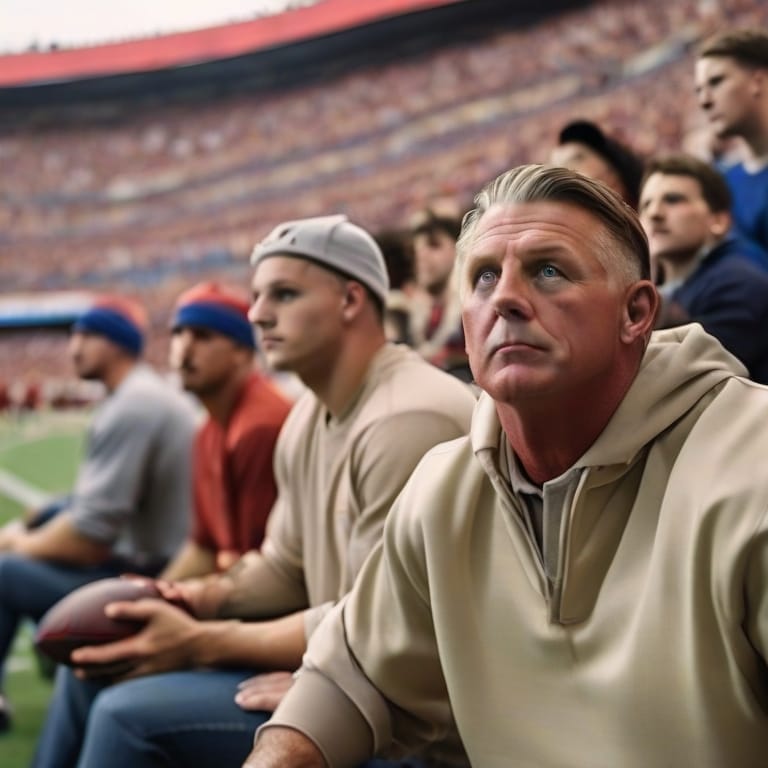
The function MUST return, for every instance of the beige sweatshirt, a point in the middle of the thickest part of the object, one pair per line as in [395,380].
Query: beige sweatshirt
[645,646]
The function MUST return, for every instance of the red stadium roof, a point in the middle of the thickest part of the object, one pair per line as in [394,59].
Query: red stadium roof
[209,44]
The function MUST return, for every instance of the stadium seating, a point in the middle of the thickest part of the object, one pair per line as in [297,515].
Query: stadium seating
[149,197]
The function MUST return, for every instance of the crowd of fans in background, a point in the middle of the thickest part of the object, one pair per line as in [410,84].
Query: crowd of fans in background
[152,198]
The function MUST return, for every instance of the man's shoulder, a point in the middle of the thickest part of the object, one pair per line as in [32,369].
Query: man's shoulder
[731,261]
[261,405]
[717,467]
[144,394]
[402,381]
[734,418]
[739,174]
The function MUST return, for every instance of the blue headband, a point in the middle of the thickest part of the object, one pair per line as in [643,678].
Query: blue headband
[217,317]
[113,325]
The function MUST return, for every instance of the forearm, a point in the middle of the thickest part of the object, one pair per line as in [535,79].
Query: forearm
[260,588]
[59,540]
[191,561]
[284,748]
[275,644]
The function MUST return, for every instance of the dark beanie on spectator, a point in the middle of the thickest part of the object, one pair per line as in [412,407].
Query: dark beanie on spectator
[218,308]
[626,163]
[118,319]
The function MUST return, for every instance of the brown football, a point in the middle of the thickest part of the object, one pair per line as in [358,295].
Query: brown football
[79,619]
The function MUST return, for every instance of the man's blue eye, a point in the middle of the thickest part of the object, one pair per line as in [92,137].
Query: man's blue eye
[485,277]
[549,271]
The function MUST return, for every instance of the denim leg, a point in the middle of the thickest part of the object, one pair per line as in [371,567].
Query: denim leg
[28,588]
[175,719]
[162,721]
[62,735]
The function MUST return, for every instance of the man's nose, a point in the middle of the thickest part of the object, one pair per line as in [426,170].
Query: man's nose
[512,296]
[259,314]
[653,210]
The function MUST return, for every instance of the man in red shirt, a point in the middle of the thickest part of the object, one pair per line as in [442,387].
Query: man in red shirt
[213,349]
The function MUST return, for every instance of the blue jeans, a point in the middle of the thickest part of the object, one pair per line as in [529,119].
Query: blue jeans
[178,719]
[28,588]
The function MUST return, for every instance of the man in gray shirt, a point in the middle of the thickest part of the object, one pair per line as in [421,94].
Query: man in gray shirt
[130,508]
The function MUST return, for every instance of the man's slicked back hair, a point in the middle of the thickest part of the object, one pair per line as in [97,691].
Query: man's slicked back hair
[625,251]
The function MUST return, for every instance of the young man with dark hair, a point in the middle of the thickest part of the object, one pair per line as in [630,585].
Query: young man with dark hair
[732,88]
[685,211]
[435,324]
[213,350]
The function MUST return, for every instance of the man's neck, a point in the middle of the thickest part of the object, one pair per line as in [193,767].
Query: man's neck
[221,403]
[117,373]
[754,163]
[755,141]
[679,269]
[338,383]
[551,437]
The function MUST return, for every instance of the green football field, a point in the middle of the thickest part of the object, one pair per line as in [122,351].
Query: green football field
[39,454]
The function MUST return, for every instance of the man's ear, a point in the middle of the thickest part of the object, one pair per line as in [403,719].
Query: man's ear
[759,80]
[720,223]
[353,299]
[641,306]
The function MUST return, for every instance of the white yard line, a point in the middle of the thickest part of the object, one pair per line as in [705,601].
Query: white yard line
[21,491]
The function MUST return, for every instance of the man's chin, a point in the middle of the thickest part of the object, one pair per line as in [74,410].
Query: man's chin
[513,387]
[278,363]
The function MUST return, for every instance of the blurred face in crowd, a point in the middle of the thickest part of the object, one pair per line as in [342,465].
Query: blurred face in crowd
[676,217]
[727,94]
[584,160]
[205,360]
[298,311]
[434,256]
[93,355]
[542,313]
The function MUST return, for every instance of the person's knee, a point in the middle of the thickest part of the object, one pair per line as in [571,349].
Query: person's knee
[115,706]
[13,569]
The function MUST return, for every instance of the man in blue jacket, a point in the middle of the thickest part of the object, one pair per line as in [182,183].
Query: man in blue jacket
[685,210]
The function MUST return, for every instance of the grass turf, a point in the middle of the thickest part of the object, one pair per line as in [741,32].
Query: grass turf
[43,450]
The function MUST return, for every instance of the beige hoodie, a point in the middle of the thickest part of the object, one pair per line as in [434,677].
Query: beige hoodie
[646,646]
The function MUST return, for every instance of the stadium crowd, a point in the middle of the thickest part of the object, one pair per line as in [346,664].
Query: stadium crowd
[166,185]
[142,195]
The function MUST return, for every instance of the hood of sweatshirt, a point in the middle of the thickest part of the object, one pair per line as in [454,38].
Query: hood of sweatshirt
[680,366]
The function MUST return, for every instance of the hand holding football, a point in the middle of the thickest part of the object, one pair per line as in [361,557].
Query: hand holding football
[79,618]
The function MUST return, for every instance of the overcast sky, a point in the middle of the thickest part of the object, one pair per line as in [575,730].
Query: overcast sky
[77,22]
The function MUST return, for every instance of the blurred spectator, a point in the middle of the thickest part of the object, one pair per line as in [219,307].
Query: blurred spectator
[131,503]
[398,257]
[685,211]
[213,349]
[583,147]
[435,315]
[5,397]
[732,88]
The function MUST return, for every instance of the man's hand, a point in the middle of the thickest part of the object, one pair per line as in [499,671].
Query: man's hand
[203,596]
[166,642]
[10,533]
[263,692]
[279,747]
